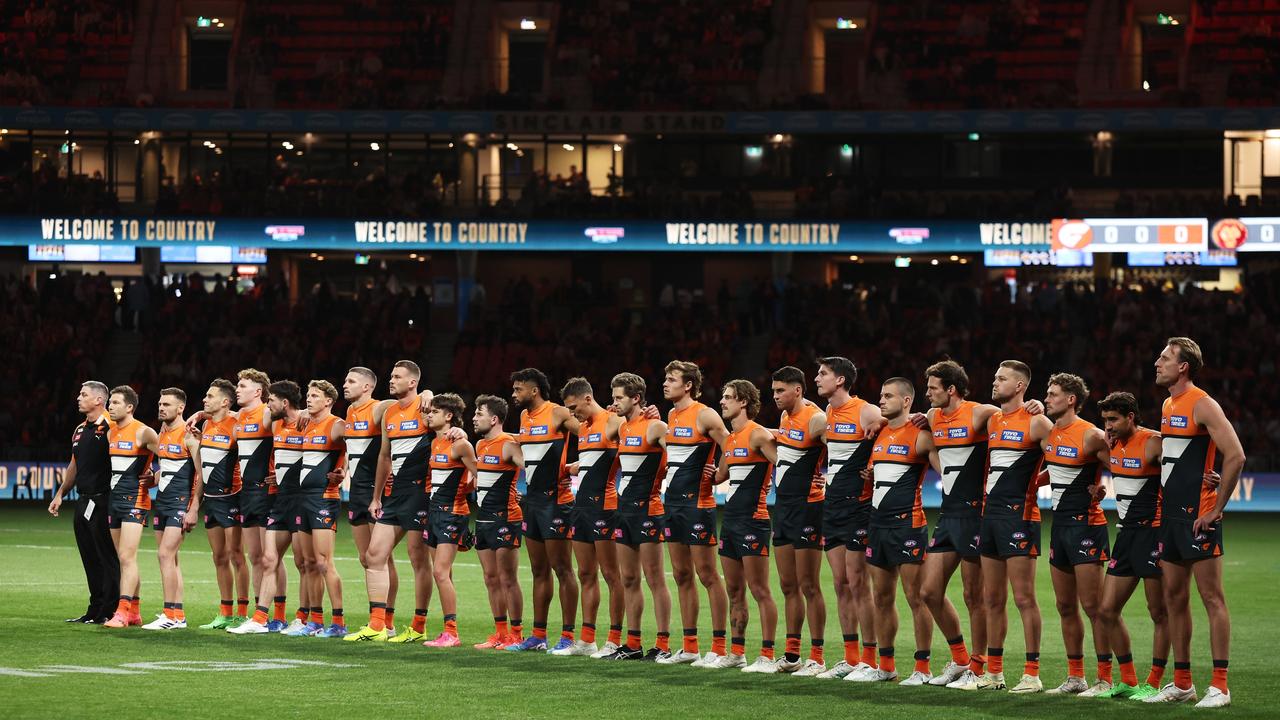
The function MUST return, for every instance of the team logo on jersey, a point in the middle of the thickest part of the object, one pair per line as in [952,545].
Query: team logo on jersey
[1068,452]
[538,430]
[632,441]
[360,425]
[683,432]
[251,427]
[1178,421]
[1011,435]
[898,450]
[1131,463]
[173,449]
[593,437]
[491,460]
[295,440]
[740,452]
[409,425]
[442,458]
[797,435]
[846,428]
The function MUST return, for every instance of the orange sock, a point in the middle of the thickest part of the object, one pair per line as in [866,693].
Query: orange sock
[1104,668]
[1219,675]
[242,607]
[766,649]
[377,618]
[663,642]
[886,661]
[566,632]
[1128,675]
[1075,666]
[976,662]
[869,654]
[390,617]
[1156,675]
[317,616]
[168,611]
[995,663]
[851,651]
[540,632]
[224,609]
[691,642]
[793,645]
[717,642]
[738,646]
[419,622]
[500,627]
[815,653]
[451,626]
[179,613]
[633,640]
[1182,675]
[517,629]
[588,633]
[615,634]
[135,606]
[122,606]
[278,613]
[1032,665]
[922,663]
[260,615]
[959,653]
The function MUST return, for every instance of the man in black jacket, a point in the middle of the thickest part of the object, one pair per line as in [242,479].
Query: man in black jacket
[90,473]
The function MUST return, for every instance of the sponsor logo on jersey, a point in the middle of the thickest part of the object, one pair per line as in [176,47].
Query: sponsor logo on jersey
[123,445]
[538,430]
[797,435]
[633,441]
[360,425]
[320,438]
[174,449]
[1132,463]
[740,452]
[251,427]
[408,424]
[898,450]
[847,428]
[221,439]
[491,460]
[1068,452]
[1178,421]
[295,440]
[442,458]
[593,437]
[684,432]
[1011,435]
[960,432]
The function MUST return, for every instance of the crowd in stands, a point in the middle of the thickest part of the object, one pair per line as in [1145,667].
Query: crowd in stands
[656,55]
[1108,334]
[51,46]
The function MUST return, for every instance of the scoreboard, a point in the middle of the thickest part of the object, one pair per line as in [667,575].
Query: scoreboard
[1115,235]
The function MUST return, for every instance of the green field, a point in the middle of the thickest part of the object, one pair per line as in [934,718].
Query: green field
[41,583]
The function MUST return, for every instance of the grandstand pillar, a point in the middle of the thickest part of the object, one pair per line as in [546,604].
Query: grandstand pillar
[468,166]
[467,262]
[149,170]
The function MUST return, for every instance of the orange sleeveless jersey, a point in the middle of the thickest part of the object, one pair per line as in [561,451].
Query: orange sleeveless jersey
[253,447]
[496,493]
[1071,472]
[597,464]
[689,452]
[1012,466]
[1137,481]
[286,456]
[897,469]
[176,476]
[798,477]
[962,453]
[321,455]
[450,481]
[218,458]
[364,442]
[1188,453]
[544,456]
[128,460]
[640,468]
[410,449]
[748,476]
[848,450]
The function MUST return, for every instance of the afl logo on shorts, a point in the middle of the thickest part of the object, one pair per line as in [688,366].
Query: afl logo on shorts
[1229,233]
[1086,542]
[1018,535]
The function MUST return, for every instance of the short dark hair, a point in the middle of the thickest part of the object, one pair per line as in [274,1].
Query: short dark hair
[841,367]
[1189,353]
[409,365]
[576,387]
[1119,402]
[633,385]
[287,390]
[904,384]
[1071,385]
[450,403]
[789,374]
[951,374]
[1019,367]
[365,373]
[534,376]
[746,392]
[496,406]
[225,387]
[130,396]
[689,372]
[175,392]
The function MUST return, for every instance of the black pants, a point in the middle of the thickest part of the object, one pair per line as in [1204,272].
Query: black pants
[97,554]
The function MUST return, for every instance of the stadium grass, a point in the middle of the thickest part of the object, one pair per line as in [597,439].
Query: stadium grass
[41,583]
